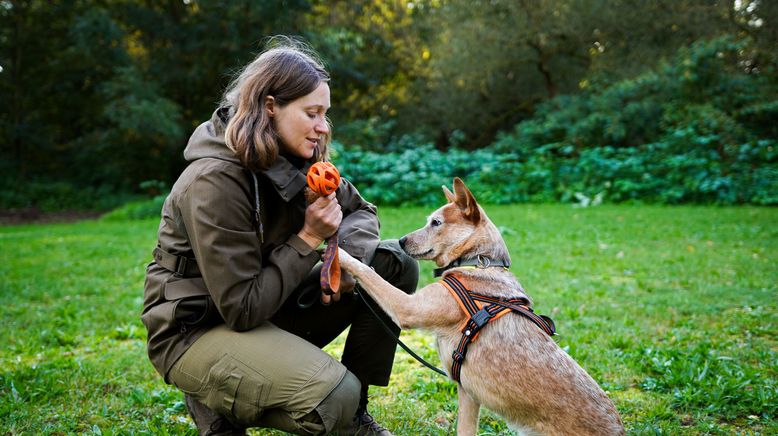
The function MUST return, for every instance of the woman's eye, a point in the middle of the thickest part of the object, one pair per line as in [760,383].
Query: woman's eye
[435,223]
[311,116]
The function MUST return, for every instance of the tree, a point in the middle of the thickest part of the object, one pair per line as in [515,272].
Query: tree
[493,61]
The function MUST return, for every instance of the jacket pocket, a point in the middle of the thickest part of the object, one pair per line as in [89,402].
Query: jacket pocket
[192,305]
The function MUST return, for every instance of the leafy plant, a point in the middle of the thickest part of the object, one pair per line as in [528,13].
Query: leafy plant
[678,134]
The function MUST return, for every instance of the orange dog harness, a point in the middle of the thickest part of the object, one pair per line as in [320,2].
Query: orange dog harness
[481,310]
[324,179]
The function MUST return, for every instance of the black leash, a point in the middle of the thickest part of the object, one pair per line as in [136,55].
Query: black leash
[397,338]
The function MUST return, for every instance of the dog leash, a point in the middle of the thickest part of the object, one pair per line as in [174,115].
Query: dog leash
[357,290]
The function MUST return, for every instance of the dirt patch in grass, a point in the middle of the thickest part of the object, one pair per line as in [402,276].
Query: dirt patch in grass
[33,215]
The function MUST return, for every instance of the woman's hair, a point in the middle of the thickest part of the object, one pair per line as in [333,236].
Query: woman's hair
[286,71]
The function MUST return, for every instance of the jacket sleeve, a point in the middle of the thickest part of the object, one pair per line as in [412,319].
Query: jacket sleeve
[216,212]
[358,233]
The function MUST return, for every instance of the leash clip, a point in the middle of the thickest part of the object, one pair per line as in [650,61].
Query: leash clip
[483,262]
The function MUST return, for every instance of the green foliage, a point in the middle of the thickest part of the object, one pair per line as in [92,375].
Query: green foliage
[671,310]
[137,210]
[664,172]
[704,378]
[53,195]
[413,176]
[103,95]
[678,135]
[491,62]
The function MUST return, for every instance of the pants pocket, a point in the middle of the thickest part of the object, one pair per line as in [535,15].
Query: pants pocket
[237,391]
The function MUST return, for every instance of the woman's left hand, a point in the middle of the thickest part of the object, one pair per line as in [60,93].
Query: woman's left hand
[347,284]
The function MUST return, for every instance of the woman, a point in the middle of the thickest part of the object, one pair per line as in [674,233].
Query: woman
[228,305]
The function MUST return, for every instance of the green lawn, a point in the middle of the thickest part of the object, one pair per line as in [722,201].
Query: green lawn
[671,309]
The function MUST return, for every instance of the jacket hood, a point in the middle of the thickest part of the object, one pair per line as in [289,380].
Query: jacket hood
[208,140]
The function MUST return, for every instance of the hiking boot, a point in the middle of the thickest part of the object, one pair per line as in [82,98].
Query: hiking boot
[363,424]
[210,423]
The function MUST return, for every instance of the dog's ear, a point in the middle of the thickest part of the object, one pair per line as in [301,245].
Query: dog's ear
[465,200]
[449,195]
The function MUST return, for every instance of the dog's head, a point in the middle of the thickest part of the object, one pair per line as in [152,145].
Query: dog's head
[460,229]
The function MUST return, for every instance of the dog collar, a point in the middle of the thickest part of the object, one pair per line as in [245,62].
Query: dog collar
[477,262]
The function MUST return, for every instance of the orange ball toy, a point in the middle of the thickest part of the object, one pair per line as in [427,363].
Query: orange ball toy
[323,178]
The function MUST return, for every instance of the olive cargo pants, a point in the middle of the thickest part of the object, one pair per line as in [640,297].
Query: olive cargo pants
[277,376]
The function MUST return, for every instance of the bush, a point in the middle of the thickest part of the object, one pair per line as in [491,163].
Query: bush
[137,210]
[52,196]
[699,129]
[413,176]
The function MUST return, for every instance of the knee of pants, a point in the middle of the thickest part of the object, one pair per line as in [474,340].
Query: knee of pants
[340,406]
[398,268]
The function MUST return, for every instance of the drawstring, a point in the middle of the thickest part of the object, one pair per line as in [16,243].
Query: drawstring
[257,215]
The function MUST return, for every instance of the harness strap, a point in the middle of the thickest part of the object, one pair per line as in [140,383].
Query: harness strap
[489,309]
[467,302]
[521,305]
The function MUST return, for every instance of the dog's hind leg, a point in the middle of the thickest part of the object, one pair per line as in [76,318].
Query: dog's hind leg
[467,417]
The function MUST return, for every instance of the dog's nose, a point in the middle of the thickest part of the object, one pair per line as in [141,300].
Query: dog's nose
[402,242]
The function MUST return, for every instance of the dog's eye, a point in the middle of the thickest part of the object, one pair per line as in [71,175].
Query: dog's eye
[435,223]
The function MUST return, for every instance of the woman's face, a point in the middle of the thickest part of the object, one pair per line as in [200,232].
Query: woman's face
[302,123]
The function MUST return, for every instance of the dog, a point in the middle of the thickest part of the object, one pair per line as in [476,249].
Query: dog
[513,367]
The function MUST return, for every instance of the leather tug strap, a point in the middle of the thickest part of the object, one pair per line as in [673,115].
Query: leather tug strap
[330,270]
[482,310]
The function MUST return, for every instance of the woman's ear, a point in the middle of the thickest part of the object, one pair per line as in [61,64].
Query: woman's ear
[270,105]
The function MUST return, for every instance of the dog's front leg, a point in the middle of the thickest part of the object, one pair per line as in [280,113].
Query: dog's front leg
[393,301]
[425,309]
[467,417]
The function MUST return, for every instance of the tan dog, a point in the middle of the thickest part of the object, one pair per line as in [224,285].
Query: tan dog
[513,368]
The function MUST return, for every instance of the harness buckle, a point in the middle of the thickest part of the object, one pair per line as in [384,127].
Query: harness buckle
[481,318]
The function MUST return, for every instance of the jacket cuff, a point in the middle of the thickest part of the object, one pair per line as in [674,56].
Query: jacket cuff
[299,245]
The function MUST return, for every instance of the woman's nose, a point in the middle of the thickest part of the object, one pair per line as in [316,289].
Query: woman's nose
[322,127]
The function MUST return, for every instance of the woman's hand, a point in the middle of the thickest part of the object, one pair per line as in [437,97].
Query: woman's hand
[322,219]
[347,283]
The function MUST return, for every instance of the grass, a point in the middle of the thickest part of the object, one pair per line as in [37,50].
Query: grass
[671,309]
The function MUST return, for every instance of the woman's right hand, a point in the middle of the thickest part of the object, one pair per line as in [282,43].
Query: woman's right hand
[322,219]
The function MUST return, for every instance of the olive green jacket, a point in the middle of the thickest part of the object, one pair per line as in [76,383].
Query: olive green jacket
[244,275]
